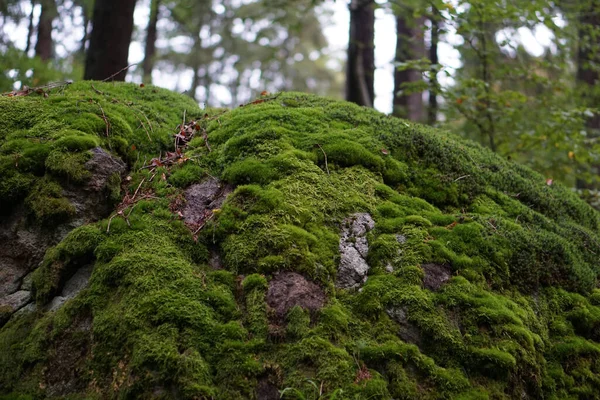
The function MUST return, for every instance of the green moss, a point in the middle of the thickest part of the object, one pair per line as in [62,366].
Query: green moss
[61,262]
[185,175]
[514,312]
[48,204]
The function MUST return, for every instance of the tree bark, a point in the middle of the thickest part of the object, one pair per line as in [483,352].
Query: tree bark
[44,45]
[410,45]
[30,28]
[360,68]
[86,26]
[112,26]
[588,76]
[432,110]
[196,63]
[151,35]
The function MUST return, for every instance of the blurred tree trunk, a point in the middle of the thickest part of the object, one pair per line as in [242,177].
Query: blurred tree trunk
[410,45]
[30,28]
[196,63]
[112,26]
[588,74]
[360,68]
[432,110]
[151,36]
[86,26]
[44,46]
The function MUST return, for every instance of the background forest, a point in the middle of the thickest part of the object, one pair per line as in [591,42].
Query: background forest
[537,107]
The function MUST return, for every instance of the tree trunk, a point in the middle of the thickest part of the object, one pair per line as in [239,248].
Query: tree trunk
[86,26]
[151,35]
[360,68]
[30,28]
[43,47]
[196,63]
[432,110]
[112,26]
[410,45]
[588,74]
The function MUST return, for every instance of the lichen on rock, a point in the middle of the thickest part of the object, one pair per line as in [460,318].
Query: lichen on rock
[354,249]
[232,273]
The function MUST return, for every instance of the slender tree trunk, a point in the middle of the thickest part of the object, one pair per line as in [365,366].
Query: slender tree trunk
[588,74]
[196,64]
[410,45]
[151,35]
[86,26]
[30,28]
[360,69]
[432,110]
[112,26]
[44,46]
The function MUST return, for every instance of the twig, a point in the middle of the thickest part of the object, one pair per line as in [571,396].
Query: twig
[461,177]
[203,223]
[138,188]
[96,90]
[325,155]
[205,137]
[138,118]
[106,122]
[118,72]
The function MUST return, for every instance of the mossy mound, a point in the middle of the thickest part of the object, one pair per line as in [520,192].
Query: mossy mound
[482,279]
[51,138]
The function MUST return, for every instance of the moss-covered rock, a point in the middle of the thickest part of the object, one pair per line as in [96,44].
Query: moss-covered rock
[482,278]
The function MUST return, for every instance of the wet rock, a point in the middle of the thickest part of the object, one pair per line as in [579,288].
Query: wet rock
[72,287]
[436,275]
[102,166]
[16,300]
[354,248]
[202,198]
[24,242]
[408,331]
[91,200]
[290,289]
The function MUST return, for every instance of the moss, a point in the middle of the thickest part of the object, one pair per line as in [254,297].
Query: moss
[63,260]
[48,204]
[185,175]
[516,313]
[255,287]
[52,135]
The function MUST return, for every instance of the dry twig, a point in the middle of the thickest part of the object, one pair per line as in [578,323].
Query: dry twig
[324,155]
[119,71]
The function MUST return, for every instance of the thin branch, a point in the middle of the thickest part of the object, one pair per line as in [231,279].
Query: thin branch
[118,72]
[324,155]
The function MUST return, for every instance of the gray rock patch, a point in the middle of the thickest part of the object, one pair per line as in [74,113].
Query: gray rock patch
[202,198]
[16,300]
[72,287]
[436,275]
[408,331]
[290,289]
[354,248]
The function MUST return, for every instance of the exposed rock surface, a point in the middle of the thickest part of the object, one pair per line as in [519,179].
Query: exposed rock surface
[290,289]
[435,275]
[409,332]
[202,198]
[72,287]
[354,248]
[24,242]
